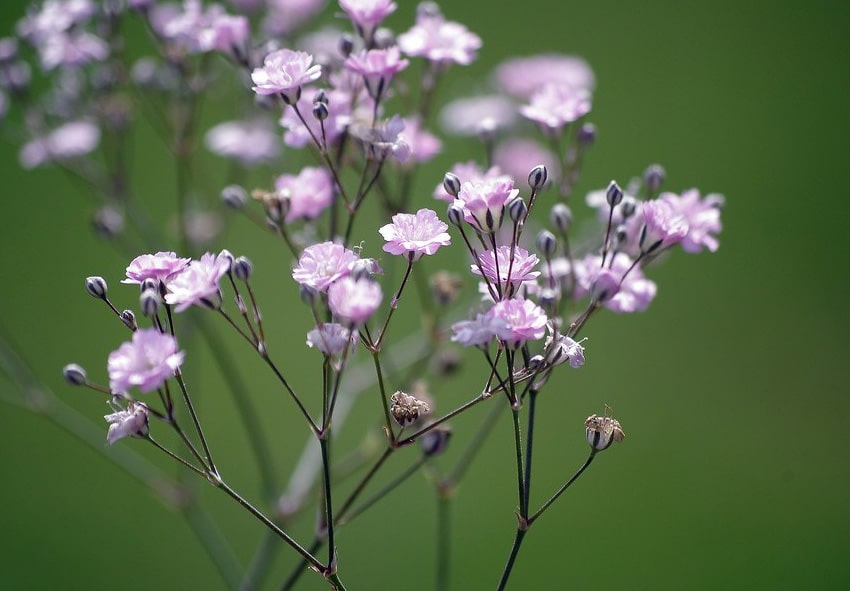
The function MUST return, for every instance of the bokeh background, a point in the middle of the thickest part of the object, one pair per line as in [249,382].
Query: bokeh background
[732,388]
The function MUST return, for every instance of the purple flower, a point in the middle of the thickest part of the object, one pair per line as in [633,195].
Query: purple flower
[525,321]
[472,173]
[322,264]
[353,301]
[248,142]
[560,348]
[497,267]
[309,193]
[195,29]
[331,339]
[634,294]
[377,66]
[284,72]
[161,267]
[423,145]
[225,33]
[662,227]
[440,41]
[483,202]
[144,362]
[70,140]
[383,140]
[129,422]
[477,115]
[478,332]
[523,76]
[71,48]
[415,234]
[367,14]
[517,156]
[701,215]
[198,283]
[284,17]
[555,105]
[339,117]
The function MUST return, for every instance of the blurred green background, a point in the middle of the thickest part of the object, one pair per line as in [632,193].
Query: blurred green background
[732,388]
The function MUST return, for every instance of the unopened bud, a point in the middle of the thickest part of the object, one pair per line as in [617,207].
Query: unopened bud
[455,214]
[621,236]
[75,374]
[234,196]
[561,217]
[614,194]
[149,302]
[601,432]
[227,256]
[308,294]
[451,184]
[96,286]
[654,177]
[536,362]
[587,134]
[435,441]
[129,319]
[548,297]
[108,222]
[517,209]
[628,207]
[242,268]
[320,97]
[405,408]
[547,243]
[346,45]
[383,38]
[320,111]
[537,177]
[149,284]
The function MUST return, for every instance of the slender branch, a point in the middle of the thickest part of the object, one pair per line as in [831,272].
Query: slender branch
[561,490]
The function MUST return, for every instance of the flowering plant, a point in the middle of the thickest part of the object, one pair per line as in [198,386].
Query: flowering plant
[337,97]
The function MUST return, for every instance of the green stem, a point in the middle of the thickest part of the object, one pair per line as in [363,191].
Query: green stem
[506,573]
[444,526]
[561,490]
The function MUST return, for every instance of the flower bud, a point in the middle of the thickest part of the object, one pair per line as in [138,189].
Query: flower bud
[628,207]
[587,134]
[537,177]
[129,319]
[517,209]
[96,286]
[234,196]
[108,222]
[654,177]
[321,97]
[227,256]
[435,441]
[383,38]
[548,297]
[242,268]
[149,302]
[75,375]
[455,214]
[601,432]
[614,194]
[406,409]
[451,184]
[536,362]
[546,243]
[320,111]
[148,284]
[346,45]
[621,236]
[561,217]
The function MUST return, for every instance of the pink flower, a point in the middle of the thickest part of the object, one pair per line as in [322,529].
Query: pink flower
[440,41]
[145,362]
[423,145]
[377,66]
[225,33]
[478,332]
[161,267]
[555,105]
[71,140]
[477,115]
[367,14]
[497,267]
[701,215]
[525,321]
[71,48]
[284,72]
[415,234]
[353,301]
[470,172]
[339,117]
[384,140]
[129,422]
[248,142]
[517,156]
[331,339]
[483,202]
[634,294]
[322,264]
[560,348]
[309,193]
[662,227]
[523,76]
[284,17]
[198,283]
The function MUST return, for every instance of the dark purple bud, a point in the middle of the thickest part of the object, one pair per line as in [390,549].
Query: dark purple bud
[234,196]
[308,294]
[242,268]
[75,375]
[435,441]
[614,194]
[561,217]
[321,97]
[228,256]
[628,207]
[108,222]
[96,286]
[517,209]
[451,184]
[149,302]
[587,134]
[455,214]
[537,177]
[346,45]
[129,319]
[383,38]
[320,111]
[148,284]
[536,362]
[654,177]
[548,297]
[547,243]
[621,235]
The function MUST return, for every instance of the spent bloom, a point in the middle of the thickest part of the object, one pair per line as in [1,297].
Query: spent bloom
[354,300]
[309,192]
[284,72]
[624,295]
[198,283]
[438,40]
[524,321]
[377,66]
[415,234]
[160,267]
[367,14]
[249,142]
[322,264]
[129,422]
[555,105]
[144,362]
[701,215]
[71,140]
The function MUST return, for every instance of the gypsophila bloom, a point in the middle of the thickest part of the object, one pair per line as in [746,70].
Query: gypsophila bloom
[197,29]
[523,76]
[377,66]
[283,17]
[662,227]
[160,267]
[517,156]
[331,338]
[555,105]
[479,331]
[284,72]
[525,321]
[367,14]
[197,284]
[440,41]
[145,362]
[250,142]
[483,202]
[506,272]
[129,422]
[322,264]
[354,300]
[470,172]
[423,145]
[560,348]
[73,139]
[635,292]
[470,116]
[383,140]
[415,234]
[702,217]
[309,192]
[406,409]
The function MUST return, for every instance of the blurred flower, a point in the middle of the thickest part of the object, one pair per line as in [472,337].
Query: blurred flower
[284,17]
[662,227]
[423,145]
[129,422]
[378,67]
[331,339]
[701,215]
[144,362]
[249,142]
[367,14]
[439,40]
[415,234]
[635,292]
[469,116]
[517,156]
[383,140]
[479,331]
[555,105]
[76,138]
[523,76]
[309,192]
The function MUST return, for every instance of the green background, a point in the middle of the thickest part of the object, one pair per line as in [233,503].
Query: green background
[732,388]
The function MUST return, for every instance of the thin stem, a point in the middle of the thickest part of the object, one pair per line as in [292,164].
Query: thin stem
[323,152]
[561,490]
[444,527]
[411,438]
[376,356]
[520,535]
[326,470]
[519,469]
[179,377]
[529,439]
[394,302]
[175,457]
[289,389]
[384,491]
